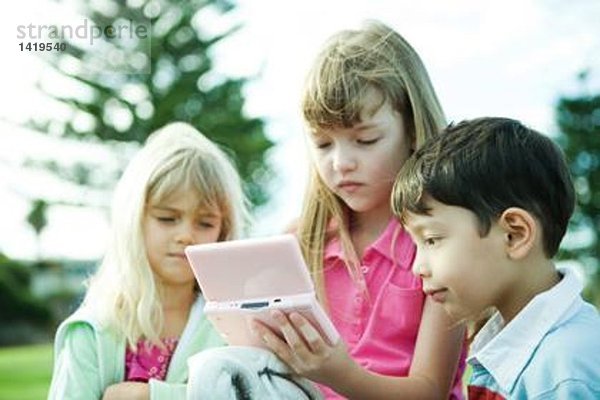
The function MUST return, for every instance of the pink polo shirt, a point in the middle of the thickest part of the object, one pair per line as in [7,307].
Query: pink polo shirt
[380,331]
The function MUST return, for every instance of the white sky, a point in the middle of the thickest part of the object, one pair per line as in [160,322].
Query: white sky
[512,58]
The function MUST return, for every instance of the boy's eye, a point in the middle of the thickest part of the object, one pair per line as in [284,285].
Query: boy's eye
[206,224]
[166,219]
[431,241]
[322,145]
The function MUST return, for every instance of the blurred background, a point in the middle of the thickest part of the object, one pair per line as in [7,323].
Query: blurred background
[71,117]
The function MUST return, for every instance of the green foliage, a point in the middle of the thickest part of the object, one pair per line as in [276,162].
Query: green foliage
[176,81]
[25,372]
[16,300]
[579,120]
[37,220]
[37,215]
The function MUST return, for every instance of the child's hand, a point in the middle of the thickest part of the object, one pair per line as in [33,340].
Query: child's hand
[127,391]
[304,350]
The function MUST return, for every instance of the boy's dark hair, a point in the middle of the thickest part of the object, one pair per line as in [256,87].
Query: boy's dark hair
[487,165]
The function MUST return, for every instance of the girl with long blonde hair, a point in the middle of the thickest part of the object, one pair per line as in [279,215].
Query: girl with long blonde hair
[142,314]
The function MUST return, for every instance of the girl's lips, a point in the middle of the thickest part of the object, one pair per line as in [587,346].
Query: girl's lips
[178,255]
[349,187]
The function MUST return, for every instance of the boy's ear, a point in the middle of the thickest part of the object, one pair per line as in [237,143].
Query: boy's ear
[520,232]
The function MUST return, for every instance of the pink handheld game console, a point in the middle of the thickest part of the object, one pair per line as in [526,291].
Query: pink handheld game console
[242,280]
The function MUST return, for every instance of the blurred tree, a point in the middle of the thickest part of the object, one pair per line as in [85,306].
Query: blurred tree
[120,88]
[17,303]
[37,219]
[579,120]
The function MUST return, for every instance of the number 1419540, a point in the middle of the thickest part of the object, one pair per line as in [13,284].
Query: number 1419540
[47,46]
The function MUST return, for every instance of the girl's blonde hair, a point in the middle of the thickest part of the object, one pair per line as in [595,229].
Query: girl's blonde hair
[124,293]
[351,64]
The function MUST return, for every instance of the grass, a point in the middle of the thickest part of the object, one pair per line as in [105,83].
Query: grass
[25,372]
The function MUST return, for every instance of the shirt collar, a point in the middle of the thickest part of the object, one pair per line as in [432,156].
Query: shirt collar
[390,241]
[521,337]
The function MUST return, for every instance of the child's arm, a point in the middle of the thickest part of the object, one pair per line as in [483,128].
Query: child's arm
[76,374]
[430,377]
[155,389]
[127,391]
[439,345]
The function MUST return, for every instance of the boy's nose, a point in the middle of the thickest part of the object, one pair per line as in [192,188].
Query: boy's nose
[418,268]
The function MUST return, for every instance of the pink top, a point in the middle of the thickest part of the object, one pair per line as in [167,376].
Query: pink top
[149,361]
[380,330]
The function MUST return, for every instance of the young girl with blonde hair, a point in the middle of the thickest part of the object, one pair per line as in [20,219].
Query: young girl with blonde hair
[142,314]
[368,104]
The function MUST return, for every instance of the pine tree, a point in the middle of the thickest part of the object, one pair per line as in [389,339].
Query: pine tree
[579,120]
[163,76]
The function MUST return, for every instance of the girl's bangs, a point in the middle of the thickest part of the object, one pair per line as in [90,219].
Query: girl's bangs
[188,175]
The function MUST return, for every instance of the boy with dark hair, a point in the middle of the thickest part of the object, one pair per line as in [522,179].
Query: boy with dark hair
[487,203]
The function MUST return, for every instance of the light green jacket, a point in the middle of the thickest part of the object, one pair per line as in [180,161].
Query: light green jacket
[89,358]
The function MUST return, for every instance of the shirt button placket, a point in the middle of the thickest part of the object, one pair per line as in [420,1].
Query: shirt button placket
[358,304]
